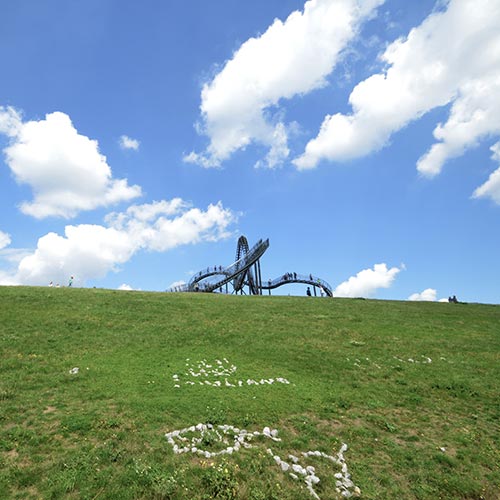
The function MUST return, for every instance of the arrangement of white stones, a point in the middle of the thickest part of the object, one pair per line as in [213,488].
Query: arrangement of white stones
[363,362]
[220,373]
[228,435]
[343,485]
[190,440]
[423,359]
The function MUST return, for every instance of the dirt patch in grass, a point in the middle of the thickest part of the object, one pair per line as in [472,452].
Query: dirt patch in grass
[11,454]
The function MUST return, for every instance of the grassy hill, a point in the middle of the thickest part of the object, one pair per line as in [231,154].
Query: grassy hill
[91,381]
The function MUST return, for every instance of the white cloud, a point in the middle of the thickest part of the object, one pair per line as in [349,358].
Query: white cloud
[10,121]
[491,188]
[428,295]
[154,228]
[91,251]
[291,58]
[65,169]
[4,240]
[129,143]
[453,57]
[85,251]
[125,287]
[367,282]
[7,279]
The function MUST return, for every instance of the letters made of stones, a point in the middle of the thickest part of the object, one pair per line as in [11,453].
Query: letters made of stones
[231,439]
[220,373]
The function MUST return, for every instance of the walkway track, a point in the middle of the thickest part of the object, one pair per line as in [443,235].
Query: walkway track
[287,279]
[240,273]
[236,271]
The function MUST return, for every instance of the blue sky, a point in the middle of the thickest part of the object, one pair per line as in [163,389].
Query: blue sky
[362,137]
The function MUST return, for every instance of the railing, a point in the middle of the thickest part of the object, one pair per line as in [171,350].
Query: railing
[298,278]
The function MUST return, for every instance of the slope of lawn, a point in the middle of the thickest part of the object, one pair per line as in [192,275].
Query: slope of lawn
[91,381]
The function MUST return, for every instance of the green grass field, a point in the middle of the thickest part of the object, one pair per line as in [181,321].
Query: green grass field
[411,388]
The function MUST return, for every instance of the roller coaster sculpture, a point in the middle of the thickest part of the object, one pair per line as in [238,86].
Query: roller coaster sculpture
[245,273]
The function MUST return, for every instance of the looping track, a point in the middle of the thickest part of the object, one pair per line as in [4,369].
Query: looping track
[245,272]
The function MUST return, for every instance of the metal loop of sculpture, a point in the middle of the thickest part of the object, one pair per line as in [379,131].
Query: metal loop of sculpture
[245,273]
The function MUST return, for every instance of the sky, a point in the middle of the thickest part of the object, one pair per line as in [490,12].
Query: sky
[139,140]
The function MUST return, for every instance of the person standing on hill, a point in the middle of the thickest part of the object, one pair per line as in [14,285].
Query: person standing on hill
[70,283]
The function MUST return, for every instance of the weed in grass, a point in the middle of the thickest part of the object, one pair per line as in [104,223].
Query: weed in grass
[165,485]
[7,393]
[220,481]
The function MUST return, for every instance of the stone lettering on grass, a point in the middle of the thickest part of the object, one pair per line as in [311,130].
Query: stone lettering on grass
[220,373]
[210,441]
[365,362]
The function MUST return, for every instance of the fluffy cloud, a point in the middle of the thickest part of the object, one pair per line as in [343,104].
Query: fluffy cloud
[125,287]
[367,282]
[491,188]
[164,225]
[4,240]
[85,251]
[91,251]
[453,57]
[290,58]
[129,143]
[428,295]
[65,169]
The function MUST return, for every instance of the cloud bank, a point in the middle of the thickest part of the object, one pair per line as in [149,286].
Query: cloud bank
[64,169]
[89,251]
[452,58]
[367,282]
[291,58]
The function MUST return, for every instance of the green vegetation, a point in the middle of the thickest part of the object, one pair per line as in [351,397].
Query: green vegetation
[411,388]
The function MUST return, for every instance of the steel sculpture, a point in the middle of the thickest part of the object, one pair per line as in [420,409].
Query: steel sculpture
[245,276]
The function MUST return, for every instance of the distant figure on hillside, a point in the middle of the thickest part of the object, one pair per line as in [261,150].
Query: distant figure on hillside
[70,283]
[51,283]
[453,299]
[308,292]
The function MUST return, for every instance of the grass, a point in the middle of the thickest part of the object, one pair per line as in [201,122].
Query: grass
[359,374]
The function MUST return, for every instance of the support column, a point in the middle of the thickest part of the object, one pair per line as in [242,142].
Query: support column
[259,277]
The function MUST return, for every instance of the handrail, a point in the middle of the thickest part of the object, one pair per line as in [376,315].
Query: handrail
[289,278]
